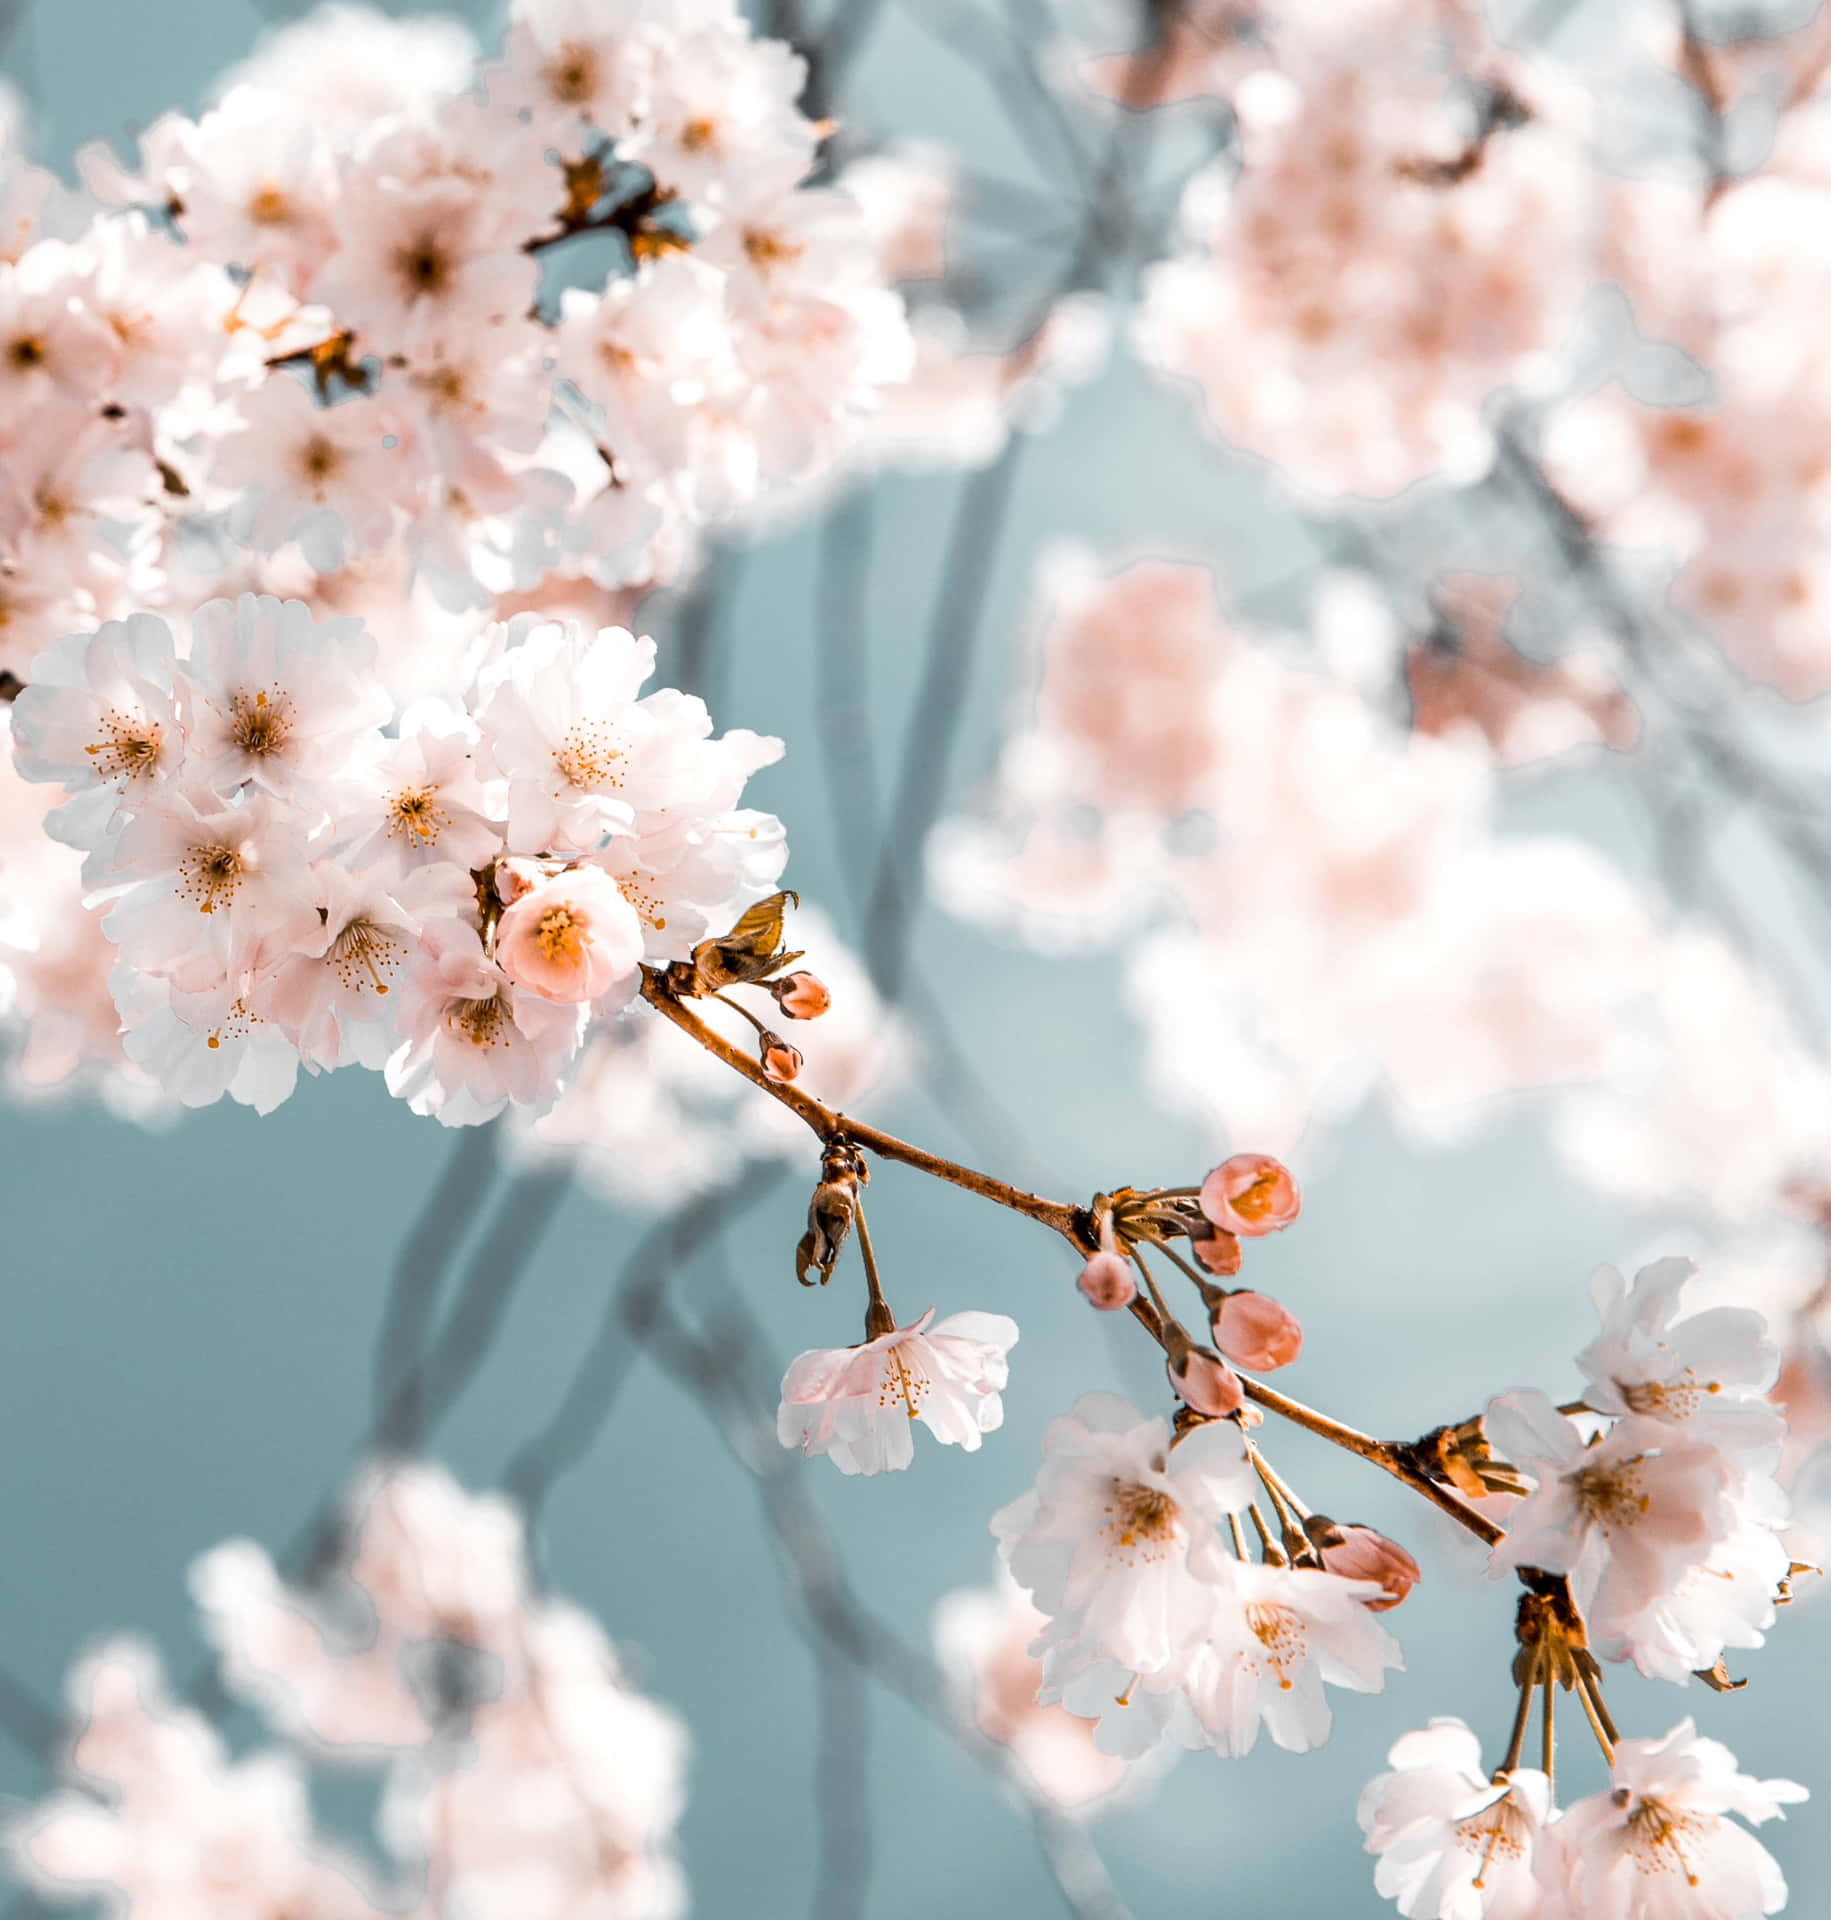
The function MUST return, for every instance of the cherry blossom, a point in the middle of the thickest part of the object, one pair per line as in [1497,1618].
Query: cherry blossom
[1661,1843]
[982,1637]
[1453,1844]
[1626,1517]
[1706,1375]
[859,1405]
[571,938]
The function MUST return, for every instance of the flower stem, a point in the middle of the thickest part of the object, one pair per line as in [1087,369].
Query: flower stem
[1548,1748]
[879,1320]
[1527,1688]
[736,1006]
[1596,1726]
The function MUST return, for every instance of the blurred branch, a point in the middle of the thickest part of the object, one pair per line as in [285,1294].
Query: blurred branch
[842,683]
[572,1429]
[495,1269]
[419,1268]
[31,1723]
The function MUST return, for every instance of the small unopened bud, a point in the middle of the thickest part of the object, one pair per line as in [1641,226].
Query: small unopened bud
[802,996]
[1359,1553]
[1108,1282]
[1218,1251]
[1255,1331]
[517,876]
[780,1060]
[1201,1379]
[1251,1194]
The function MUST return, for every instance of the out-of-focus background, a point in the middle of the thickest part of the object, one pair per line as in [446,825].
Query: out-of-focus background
[194,1305]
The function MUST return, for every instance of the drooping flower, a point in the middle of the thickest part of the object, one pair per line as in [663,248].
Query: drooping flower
[1452,1843]
[1626,1518]
[1705,1375]
[1660,1843]
[1273,1637]
[858,1405]
[1117,1541]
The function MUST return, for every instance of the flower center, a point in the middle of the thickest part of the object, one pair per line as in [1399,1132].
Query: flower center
[26,352]
[902,1381]
[561,936]
[1612,1496]
[587,755]
[572,75]
[1668,1400]
[1496,1832]
[697,135]
[268,206]
[483,1023]
[259,725]
[424,266]
[1283,1636]
[764,249]
[362,948]
[1656,1837]
[209,876]
[128,748]
[319,459]
[416,816]
[1144,1522]
[1256,1201]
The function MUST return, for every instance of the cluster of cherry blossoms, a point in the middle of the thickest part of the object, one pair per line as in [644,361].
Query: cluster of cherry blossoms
[320,341]
[1715,482]
[418,338]
[1407,227]
[1314,903]
[290,871]
[523,1777]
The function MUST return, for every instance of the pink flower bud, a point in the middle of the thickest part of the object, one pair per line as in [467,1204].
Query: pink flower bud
[780,1060]
[1204,1381]
[1219,1252]
[1251,1194]
[1358,1553]
[1256,1331]
[1107,1281]
[517,876]
[802,996]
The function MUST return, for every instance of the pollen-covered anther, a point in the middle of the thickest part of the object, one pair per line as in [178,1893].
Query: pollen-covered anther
[1143,1523]
[210,876]
[1670,1400]
[1283,1635]
[1612,1495]
[128,748]
[484,1023]
[260,723]
[1657,1837]
[415,815]
[363,951]
[587,758]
